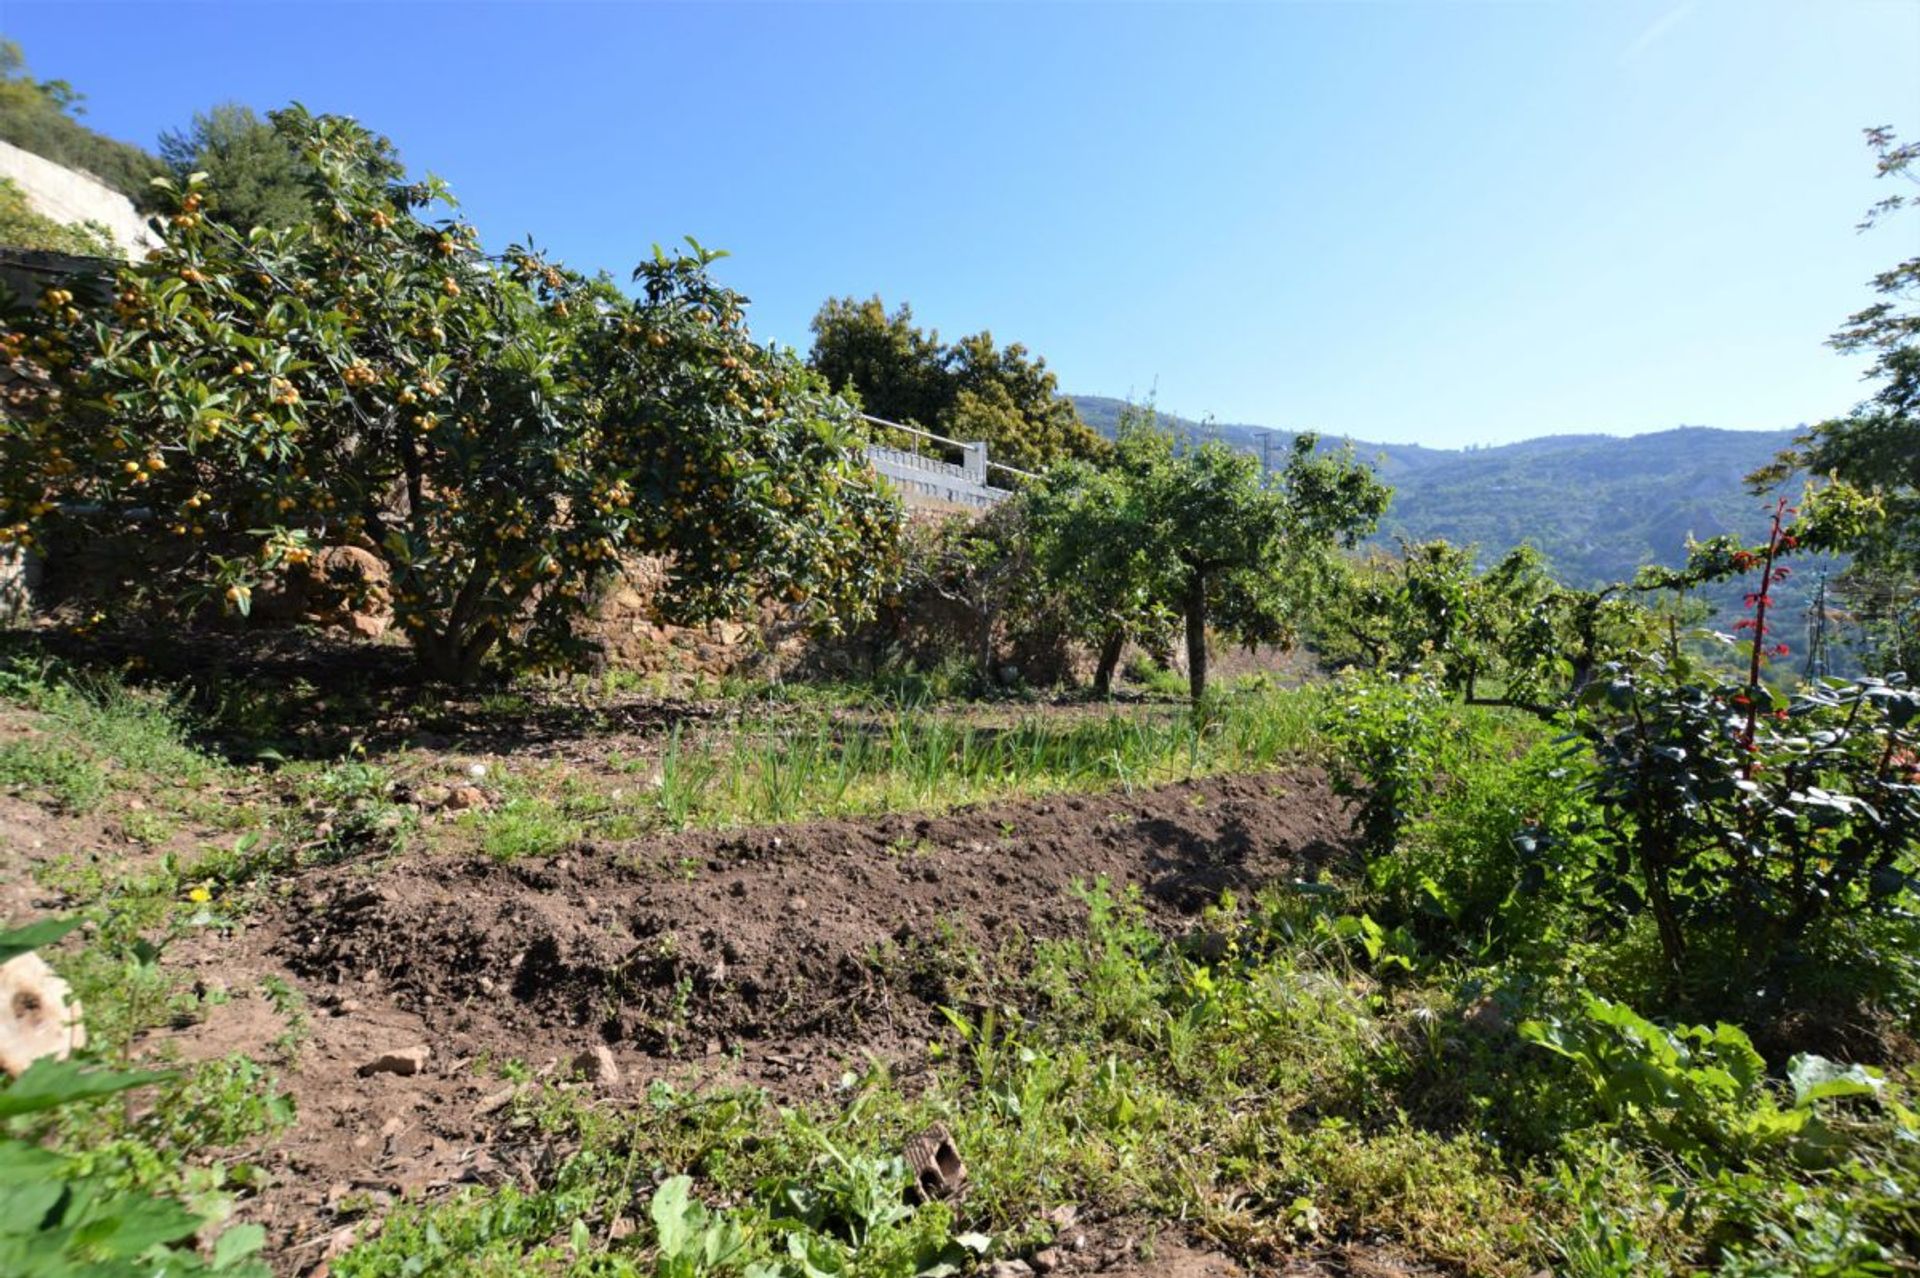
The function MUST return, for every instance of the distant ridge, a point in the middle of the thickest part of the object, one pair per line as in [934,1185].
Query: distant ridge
[1598,506]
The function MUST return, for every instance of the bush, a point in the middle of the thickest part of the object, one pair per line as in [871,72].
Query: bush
[500,437]
[1387,733]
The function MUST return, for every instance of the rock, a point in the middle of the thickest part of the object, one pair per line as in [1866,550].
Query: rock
[342,586]
[406,1061]
[1009,1269]
[597,1065]
[433,796]
[464,797]
[1046,1260]
[477,771]
[496,1102]
[622,1227]
[38,1015]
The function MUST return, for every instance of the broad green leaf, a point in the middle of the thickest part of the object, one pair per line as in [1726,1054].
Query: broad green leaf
[237,1244]
[1816,1078]
[670,1211]
[49,1083]
[37,935]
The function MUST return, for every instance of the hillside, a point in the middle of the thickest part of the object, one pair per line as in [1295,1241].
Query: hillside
[1599,506]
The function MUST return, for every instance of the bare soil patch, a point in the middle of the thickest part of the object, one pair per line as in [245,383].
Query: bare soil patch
[849,931]
[776,957]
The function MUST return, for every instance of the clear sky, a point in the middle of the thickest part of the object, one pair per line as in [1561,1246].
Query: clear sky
[1443,223]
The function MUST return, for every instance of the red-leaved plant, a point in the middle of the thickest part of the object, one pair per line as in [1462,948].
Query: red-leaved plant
[1726,803]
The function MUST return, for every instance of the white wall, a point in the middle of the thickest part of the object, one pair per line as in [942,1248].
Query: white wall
[67,195]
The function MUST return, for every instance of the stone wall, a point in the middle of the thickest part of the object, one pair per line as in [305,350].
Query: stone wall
[633,637]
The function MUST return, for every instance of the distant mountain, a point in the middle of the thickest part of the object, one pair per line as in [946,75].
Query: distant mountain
[1598,506]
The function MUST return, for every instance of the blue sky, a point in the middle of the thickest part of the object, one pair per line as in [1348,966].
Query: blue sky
[1434,222]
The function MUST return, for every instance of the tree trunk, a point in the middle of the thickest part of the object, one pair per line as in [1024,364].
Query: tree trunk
[455,658]
[1673,945]
[1197,635]
[1110,649]
[985,647]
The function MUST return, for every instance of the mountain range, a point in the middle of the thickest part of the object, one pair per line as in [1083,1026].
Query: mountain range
[1598,506]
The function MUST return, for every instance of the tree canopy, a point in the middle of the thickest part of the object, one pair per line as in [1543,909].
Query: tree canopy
[1198,532]
[255,176]
[40,116]
[973,389]
[501,434]
[1876,447]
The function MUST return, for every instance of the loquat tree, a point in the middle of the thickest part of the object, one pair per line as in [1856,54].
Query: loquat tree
[499,432]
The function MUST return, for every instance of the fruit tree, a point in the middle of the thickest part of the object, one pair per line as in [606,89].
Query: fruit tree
[502,433]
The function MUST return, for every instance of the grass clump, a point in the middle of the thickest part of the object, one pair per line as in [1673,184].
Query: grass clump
[782,770]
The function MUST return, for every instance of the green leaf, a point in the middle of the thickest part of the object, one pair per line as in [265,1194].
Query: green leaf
[49,1083]
[22,1163]
[127,1225]
[670,1210]
[33,936]
[237,1244]
[1816,1078]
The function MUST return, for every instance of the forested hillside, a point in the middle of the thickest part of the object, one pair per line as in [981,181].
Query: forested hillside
[1599,506]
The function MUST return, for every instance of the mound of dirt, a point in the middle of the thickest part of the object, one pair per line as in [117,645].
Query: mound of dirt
[850,929]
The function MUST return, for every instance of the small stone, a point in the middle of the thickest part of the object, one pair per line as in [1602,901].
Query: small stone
[433,796]
[1047,1259]
[346,1007]
[796,904]
[622,1227]
[1009,1269]
[597,1065]
[477,771]
[406,1061]
[496,1102]
[464,797]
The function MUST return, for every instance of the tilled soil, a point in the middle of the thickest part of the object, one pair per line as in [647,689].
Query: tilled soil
[775,956]
[845,930]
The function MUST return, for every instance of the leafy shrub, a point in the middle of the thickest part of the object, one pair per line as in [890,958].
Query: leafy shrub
[1387,732]
[1728,802]
[1693,1087]
[61,1219]
[22,227]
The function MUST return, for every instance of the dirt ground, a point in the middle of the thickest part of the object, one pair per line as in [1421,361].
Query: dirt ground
[778,957]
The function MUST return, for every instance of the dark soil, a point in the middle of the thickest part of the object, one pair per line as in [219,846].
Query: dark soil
[777,957]
[853,932]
